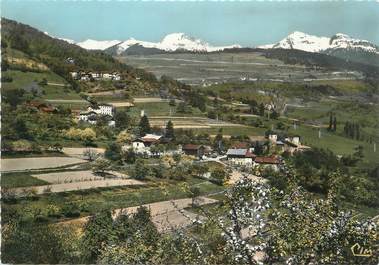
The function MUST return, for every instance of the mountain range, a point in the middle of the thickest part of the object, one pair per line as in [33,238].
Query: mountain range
[339,45]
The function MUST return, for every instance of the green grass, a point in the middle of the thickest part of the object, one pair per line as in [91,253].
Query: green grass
[23,79]
[14,180]
[235,131]
[161,109]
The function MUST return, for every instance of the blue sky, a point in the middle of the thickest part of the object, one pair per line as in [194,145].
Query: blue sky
[219,23]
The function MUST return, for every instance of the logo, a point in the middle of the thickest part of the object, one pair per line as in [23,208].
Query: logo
[359,251]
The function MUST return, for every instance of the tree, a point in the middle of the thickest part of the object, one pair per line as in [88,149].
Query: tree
[98,231]
[219,141]
[330,121]
[90,154]
[34,243]
[194,193]
[88,135]
[274,115]
[219,175]
[124,137]
[261,109]
[140,170]
[144,125]
[113,152]
[100,165]
[169,132]
[122,120]
[334,124]
[13,97]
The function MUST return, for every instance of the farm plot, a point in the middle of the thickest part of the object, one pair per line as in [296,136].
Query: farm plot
[75,186]
[18,164]
[68,177]
[190,122]
[78,151]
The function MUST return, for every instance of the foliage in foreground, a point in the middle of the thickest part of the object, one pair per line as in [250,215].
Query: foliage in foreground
[254,224]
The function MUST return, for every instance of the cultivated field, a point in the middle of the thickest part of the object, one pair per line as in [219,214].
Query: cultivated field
[190,122]
[68,177]
[18,164]
[225,67]
[76,186]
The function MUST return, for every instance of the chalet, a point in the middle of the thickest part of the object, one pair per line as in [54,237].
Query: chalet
[242,157]
[194,150]
[272,162]
[150,139]
[243,145]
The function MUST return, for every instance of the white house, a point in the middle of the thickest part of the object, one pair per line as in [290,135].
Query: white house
[74,75]
[271,162]
[242,157]
[107,76]
[84,115]
[273,138]
[102,109]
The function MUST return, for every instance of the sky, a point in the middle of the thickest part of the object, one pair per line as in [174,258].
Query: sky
[248,23]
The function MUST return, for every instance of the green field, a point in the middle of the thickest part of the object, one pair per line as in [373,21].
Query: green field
[24,79]
[14,180]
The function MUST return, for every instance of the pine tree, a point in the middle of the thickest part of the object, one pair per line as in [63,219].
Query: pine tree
[261,109]
[144,125]
[170,133]
[330,122]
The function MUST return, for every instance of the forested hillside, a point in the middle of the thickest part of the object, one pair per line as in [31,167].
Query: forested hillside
[59,56]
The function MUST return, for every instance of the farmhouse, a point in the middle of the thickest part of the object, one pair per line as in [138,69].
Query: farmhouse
[194,150]
[242,157]
[150,139]
[272,162]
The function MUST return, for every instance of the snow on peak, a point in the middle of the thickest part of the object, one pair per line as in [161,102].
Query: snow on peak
[173,42]
[302,41]
[343,41]
[310,43]
[97,45]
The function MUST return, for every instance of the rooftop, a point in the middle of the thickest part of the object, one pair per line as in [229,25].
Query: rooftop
[267,160]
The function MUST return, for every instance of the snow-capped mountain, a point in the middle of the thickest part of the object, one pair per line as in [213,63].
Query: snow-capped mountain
[171,42]
[310,43]
[97,44]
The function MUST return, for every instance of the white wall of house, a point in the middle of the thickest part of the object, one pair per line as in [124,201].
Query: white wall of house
[273,137]
[243,161]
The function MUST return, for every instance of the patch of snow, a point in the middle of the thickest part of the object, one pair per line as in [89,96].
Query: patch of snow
[97,45]
[310,43]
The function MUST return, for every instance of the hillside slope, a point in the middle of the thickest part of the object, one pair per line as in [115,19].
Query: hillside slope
[58,55]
